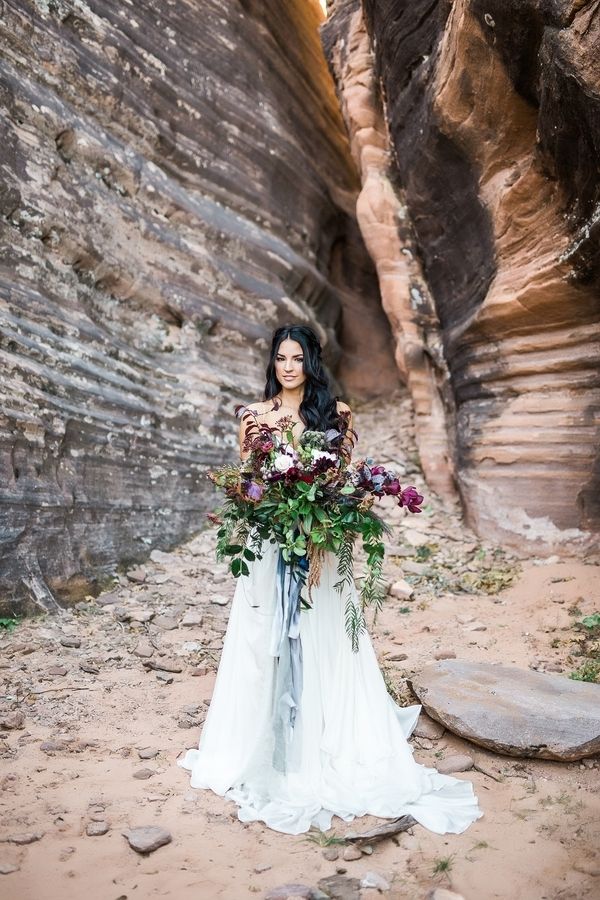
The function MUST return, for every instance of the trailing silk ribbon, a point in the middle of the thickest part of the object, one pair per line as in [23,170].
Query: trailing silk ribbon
[287,647]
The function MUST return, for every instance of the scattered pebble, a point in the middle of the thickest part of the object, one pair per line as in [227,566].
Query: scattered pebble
[27,837]
[374,880]
[444,654]
[351,853]
[331,853]
[144,650]
[7,867]
[402,590]
[147,838]
[143,774]
[148,753]
[95,829]
[459,762]
[68,641]
[13,721]
[192,619]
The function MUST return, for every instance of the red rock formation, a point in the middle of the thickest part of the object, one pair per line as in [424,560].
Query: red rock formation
[493,118]
[174,182]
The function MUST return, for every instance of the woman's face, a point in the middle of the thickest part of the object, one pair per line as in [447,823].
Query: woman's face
[289,369]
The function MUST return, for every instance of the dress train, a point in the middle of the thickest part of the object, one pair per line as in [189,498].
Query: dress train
[349,755]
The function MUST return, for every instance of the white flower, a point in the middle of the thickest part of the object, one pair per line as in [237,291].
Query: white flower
[322,454]
[283,462]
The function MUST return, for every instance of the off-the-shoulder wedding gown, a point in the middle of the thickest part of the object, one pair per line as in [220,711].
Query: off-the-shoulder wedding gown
[348,754]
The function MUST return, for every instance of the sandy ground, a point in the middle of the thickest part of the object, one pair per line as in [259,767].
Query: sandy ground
[73,760]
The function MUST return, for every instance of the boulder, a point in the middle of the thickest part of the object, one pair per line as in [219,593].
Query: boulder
[513,711]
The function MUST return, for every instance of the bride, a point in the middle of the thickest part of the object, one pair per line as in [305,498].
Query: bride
[349,755]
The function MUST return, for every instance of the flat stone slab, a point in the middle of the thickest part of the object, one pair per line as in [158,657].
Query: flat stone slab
[513,711]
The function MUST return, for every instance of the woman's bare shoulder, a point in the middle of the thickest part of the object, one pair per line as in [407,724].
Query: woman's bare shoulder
[255,408]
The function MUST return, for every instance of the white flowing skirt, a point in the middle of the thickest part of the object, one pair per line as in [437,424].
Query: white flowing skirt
[350,751]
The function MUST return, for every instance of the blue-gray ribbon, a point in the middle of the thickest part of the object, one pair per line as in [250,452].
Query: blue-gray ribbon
[287,647]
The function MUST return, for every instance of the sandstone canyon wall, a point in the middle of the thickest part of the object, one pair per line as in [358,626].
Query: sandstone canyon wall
[476,130]
[175,181]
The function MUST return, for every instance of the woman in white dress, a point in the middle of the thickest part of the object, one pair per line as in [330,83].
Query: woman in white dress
[348,754]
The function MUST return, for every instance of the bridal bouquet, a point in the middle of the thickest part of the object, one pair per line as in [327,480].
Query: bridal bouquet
[308,499]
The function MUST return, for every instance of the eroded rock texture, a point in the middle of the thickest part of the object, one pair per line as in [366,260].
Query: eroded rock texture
[491,275]
[175,181]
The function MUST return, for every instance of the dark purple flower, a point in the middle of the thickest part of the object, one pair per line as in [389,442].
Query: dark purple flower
[393,487]
[254,491]
[411,498]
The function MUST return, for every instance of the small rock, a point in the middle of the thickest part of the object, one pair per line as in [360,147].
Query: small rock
[137,574]
[476,626]
[27,837]
[122,613]
[56,670]
[147,838]
[166,623]
[53,746]
[428,728]
[148,753]
[197,671]
[402,590]
[331,853]
[68,641]
[415,538]
[285,891]
[107,599]
[444,654]
[144,650]
[397,657]
[262,867]
[166,679]
[160,557]
[95,829]
[141,615]
[89,668]
[340,886]
[351,853]
[459,762]
[374,880]
[219,600]
[143,774]
[416,568]
[7,867]
[192,619]
[163,665]
[548,561]
[553,667]
[13,721]
[464,618]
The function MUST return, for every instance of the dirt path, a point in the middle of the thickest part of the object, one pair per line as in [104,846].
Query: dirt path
[91,713]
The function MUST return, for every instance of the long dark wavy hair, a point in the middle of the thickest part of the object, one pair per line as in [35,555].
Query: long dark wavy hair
[318,409]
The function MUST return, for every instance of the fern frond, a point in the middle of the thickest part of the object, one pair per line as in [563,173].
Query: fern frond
[354,622]
[345,567]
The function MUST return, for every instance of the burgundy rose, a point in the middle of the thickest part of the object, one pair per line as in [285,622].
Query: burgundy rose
[411,498]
